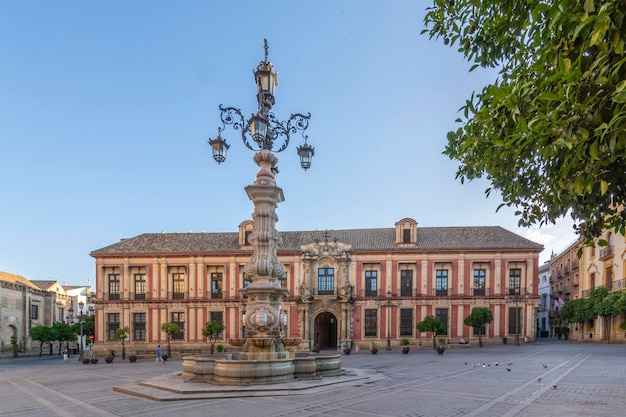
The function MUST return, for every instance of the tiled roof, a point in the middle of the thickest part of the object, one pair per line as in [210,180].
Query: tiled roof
[428,239]
[18,279]
[44,284]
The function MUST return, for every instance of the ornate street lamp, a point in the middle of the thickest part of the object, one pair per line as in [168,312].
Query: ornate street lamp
[263,129]
[264,134]
[516,298]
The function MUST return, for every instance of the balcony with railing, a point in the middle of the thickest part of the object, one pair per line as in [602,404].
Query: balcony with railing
[605,253]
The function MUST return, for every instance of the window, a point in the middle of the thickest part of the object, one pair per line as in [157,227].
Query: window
[139,326]
[179,319]
[406,282]
[371,322]
[592,280]
[113,322]
[608,273]
[442,314]
[283,279]
[178,284]
[515,321]
[246,238]
[245,278]
[441,277]
[479,331]
[479,282]
[515,279]
[406,322]
[370,283]
[34,312]
[216,285]
[61,314]
[114,286]
[325,281]
[219,318]
[140,286]
[406,236]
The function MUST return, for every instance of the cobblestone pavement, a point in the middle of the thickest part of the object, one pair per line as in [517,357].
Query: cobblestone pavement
[547,378]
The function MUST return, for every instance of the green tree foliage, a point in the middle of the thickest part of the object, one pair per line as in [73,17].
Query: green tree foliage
[169,329]
[579,311]
[42,334]
[548,133]
[62,332]
[212,329]
[432,324]
[121,334]
[479,317]
[609,306]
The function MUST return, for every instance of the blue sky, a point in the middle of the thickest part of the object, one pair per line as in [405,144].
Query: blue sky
[106,107]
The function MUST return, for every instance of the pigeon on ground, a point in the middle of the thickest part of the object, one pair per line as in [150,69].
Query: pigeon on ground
[508,369]
[554,386]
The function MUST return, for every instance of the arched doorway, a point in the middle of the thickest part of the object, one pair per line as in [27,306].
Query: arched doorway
[326,330]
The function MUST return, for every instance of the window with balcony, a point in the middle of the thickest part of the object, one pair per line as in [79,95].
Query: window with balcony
[325,281]
[178,285]
[371,322]
[479,281]
[139,326]
[179,319]
[515,281]
[441,282]
[113,323]
[282,281]
[371,280]
[140,286]
[114,286]
[216,285]
[406,282]
[406,322]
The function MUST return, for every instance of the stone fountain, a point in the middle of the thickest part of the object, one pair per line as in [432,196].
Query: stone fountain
[264,358]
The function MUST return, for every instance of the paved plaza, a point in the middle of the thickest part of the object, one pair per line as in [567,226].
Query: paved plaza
[547,378]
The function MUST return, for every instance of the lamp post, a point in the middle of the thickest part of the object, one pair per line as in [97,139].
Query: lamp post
[516,298]
[80,317]
[264,134]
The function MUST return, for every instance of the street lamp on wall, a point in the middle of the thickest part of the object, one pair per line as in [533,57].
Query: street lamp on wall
[388,306]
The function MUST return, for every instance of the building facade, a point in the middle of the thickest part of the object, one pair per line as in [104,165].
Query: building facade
[25,303]
[543,306]
[347,287]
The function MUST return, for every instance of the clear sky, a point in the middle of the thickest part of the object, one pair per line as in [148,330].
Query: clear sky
[106,108]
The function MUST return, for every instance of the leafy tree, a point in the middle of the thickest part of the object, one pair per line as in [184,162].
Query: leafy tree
[62,332]
[212,329]
[432,324]
[42,334]
[169,329]
[479,317]
[548,132]
[609,306]
[579,311]
[121,334]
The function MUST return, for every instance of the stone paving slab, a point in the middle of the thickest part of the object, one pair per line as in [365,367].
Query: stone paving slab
[590,381]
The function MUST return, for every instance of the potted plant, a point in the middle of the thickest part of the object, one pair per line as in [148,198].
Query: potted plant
[347,350]
[132,358]
[405,346]
[220,348]
[373,348]
[109,359]
[93,360]
[442,346]
[316,348]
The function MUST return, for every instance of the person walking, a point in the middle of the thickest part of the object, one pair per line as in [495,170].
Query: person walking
[65,355]
[159,354]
